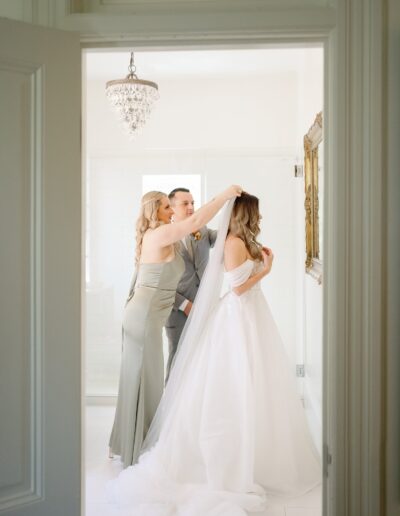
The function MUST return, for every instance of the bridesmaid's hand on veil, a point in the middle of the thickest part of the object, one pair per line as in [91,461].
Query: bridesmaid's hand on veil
[232,192]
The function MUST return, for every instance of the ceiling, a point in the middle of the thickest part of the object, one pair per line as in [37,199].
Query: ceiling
[108,65]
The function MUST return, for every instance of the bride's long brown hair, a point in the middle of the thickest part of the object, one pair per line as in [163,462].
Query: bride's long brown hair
[245,223]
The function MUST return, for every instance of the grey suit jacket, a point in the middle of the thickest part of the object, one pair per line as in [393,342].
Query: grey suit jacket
[194,269]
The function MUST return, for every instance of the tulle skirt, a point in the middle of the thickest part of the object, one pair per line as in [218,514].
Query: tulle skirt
[238,431]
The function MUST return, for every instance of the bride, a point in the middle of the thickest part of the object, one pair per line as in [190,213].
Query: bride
[230,429]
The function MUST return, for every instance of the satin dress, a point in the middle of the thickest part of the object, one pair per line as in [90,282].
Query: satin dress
[142,367]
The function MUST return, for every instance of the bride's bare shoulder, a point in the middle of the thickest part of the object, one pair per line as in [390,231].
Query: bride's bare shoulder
[234,243]
[235,252]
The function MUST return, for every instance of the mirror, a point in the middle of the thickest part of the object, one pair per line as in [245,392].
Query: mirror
[313,194]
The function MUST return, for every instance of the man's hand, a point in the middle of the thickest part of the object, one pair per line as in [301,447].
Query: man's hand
[188,307]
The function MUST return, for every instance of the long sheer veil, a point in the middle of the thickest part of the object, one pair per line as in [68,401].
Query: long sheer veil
[204,305]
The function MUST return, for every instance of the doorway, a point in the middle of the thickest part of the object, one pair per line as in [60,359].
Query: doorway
[225,116]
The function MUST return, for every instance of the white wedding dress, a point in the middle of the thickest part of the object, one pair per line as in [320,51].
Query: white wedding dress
[236,431]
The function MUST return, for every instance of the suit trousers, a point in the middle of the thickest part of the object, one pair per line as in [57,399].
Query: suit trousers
[174,333]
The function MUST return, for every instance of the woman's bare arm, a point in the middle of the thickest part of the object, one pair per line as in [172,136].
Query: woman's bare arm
[168,234]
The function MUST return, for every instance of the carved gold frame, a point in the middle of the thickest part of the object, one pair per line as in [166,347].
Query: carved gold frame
[312,139]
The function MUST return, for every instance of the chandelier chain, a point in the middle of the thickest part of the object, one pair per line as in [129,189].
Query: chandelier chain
[132,68]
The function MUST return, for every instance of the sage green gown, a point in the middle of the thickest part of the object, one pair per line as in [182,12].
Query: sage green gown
[141,380]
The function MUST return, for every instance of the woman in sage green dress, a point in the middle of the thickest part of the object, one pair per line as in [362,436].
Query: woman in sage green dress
[158,270]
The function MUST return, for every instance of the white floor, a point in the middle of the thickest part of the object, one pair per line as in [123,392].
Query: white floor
[99,469]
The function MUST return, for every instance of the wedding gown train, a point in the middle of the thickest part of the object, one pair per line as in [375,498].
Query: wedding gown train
[237,431]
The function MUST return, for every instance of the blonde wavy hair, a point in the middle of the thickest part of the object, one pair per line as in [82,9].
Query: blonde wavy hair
[245,223]
[148,218]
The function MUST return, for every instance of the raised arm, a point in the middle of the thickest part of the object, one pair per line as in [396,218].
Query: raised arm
[212,236]
[236,254]
[169,233]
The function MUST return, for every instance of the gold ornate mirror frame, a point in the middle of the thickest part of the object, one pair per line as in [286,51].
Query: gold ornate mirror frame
[312,139]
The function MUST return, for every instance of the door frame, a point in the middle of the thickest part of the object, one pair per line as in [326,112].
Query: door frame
[353,35]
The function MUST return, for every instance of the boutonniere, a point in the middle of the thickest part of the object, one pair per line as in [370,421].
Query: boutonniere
[197,235]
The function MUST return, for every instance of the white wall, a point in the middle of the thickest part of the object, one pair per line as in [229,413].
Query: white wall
[313,350]
[230,131]
[309,302]
[206,114]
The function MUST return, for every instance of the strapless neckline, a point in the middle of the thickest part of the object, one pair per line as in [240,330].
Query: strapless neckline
[241,265]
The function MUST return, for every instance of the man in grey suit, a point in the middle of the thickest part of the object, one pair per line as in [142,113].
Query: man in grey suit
[195,250]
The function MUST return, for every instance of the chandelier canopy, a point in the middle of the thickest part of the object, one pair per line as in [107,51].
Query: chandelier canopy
[132,99]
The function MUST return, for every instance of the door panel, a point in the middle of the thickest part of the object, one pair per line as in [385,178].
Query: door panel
[40,267]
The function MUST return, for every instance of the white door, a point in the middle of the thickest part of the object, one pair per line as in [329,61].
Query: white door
[40,267]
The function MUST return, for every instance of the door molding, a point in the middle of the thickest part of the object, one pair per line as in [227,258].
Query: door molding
[28,489]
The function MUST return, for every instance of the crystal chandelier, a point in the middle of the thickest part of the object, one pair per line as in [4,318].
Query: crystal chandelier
[132,98]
